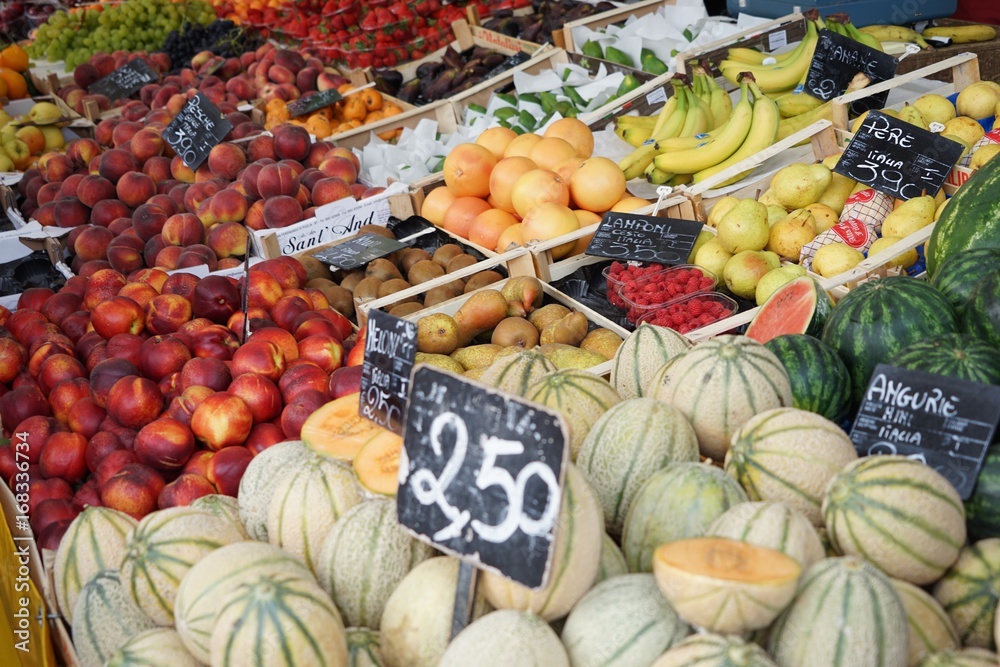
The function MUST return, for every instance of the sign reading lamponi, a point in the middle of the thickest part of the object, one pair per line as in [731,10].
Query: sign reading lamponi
[643,238]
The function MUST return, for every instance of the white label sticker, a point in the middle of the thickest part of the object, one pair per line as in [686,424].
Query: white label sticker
[658,96]
[743,4]
[936,127]
[776,40]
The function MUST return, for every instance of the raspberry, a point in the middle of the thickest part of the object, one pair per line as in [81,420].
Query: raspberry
[696,307]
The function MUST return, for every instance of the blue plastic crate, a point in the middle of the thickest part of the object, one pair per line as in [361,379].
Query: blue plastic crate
[862,12]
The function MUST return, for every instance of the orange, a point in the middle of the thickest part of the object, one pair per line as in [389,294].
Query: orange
[496,139]
[467,170]
[274,104]
[17,88]
[435,204]
[597,185]
[15,58]
[459,216]
[372,98]
[549,152]
[629,203]
[548,221]
[354,108]
[503,177]
[537,187]
[521,146]
[318,126]
[487,227]
[575,132]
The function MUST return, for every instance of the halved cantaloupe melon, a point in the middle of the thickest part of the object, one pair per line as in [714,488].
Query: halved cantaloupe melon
[336,430]
[377,463]
[724,585]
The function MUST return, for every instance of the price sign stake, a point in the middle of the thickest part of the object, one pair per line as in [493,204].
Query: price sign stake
[390,348]
[641,238]
[945,422]
[358,251]
[125,81]
[480,475]
[195,131]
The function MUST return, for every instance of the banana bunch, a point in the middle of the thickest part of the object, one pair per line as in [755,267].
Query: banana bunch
[963,34]
[841,24]
[775,75]
[823,111]
[895,33]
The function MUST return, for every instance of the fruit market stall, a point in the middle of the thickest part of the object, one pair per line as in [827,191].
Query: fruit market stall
[566,363]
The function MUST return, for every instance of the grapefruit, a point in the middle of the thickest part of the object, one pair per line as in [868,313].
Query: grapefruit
[548,221]
[459,216]
[467,170]
[435,204]
[496,140]
[629,203]
[568,167]
[521,146]
[587,218]
[538,186]
[575,132]
[549,152]
[511,235]
[503,177]
[597,185]
[489,225]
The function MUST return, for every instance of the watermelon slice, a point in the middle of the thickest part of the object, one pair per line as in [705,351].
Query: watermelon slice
[797,307]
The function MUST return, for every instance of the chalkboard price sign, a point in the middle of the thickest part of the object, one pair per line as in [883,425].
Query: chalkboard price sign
[124,81]
[945,422]
[358,251]
[390,348]
[480,475]
[314,102]
[640,238]
[196,130]
[837,59]
[897,158]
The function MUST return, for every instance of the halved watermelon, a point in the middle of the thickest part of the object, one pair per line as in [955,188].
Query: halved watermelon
[797,307]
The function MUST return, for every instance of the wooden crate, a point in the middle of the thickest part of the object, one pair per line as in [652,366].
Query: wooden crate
[610,17]
[442,112]
[768,36]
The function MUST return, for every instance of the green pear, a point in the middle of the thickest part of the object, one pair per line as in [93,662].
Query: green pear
[712,257]
[720,208]
[976,101]
[775,213]
[745,269]
[704,237]
[967,129]
[935,108]
[774,279]
[912,115]
[798,185]
[836,258]
[568,356]
[983,155]
[768,198]
[824,216]
[836,194]
[744,227]
[910,216]
[789,234]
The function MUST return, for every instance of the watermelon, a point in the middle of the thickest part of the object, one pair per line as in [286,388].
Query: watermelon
[981,515]
[641,354]
[844,614]
[504,639]
[970,220]
[800,306]
[930,628]
[105,618]
[970,591]
[772,525]
[960,273]
[159,647]
[820,381]
[621,622]
[364,648]
[982,312]
[706,650]
[517,372]
[881,317]
[579,397]
[897,513]
[680,501]
[955,355]
[966,657]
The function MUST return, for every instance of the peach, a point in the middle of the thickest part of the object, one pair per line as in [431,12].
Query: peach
[121,135]
[226,468]
[263,357]
[116,163]
[327,352]
[336,166]
[40,489]
[13,356]
[135,188]
[65,394]
[125,346]
[141,293]
[181,283]
[102,285]
[68,188]
[134,490]
[22,403]
[58,307]
[64,456]
[226,160]
[281,211]
[85,417]
[198,463]
[55,167]
[107,211]
[330,189]
[168,257]
[310,177]
[260,148]
[160,356]
[262,436]
[75,326]
[343,381]
[135,110]
[57,368]
[166,313]
[119,314]
[312,326]
[222,420]
[288,308]
[215,341]
[180,171]
[133,402]
[301,377]
[183,229]
[297,167]
[52,515]
[228,205]
[104,376]
[145,144]
[38,429]
[92,243]
[277,179]
[158,169]
[347,153]
[187,488]
[265,291]
[198,193]
[342,323]
[148,219]
[255,216]
[215,298]
[104,131]
[288,271]
[294,415]
[125,253]
[82,151]
[70,212]
[317,152]
[170,386]
[280,337]
[182,407]
[112,460]
[165,444]
[206,372]
[260,394]
[163,200]
[48,192]
[152,250]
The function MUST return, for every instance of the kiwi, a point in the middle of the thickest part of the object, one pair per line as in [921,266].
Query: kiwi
[319,283]
[382,269]
[392,286]
[446,253]
[423,271]
[439,294]
[340,299]
[367,289]
[375,229]
[482,279]
[410,256]
[315,268]
[460,262]
[352,279]
[404,309]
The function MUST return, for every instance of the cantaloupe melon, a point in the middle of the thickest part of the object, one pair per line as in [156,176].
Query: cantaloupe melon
[214,577]
[723,585]
[416,623]
[629,443]
[707,650]
[966,657]
[678,502]
[720,384]
[970,591]
[576,558]
[94,542]
[160,647]
[506,638]
[789,455]
[898,514]
[163,548]
[278,620]
[259,480]
[306,503]
[845,614]
[641,355]
[930,629]
[337,430]
[364,648]
[222,506]
[579,397]
[365,555]
[772,525]
[105,619]
[620,622]
[517,372]
[377,463]
[612,560]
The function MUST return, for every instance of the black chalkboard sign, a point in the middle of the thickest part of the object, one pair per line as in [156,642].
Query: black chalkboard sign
[196,130]
[481,474]
[625,236]
[945,422]
[897,158]
[124,81]
[358,251]
[390,348]
[314,102]
[838,59]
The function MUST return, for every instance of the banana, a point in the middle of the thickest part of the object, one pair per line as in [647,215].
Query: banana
[895,33]
[686,143]
[794,104]
[727,141]
[679,179]
[771,79]
[635,163]
[858,36]
[656,176]
[703,99]
[748,56]
[636,136]
[636,121]
[963,34]
[790,126]
[696,121]
[763,129]
[721,104]
[666,112]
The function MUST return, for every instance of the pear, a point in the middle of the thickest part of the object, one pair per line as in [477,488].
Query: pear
[546,315]
[954,137]
[567,356]
[983,155]
[909,217]
[836,194]
[935,108]
[44,113]
[713,257]
[570,330]
[775,213]
[439,360]
[912,115]
[720,208]
[604,342]
[835,258]
[905,259]
[798,185]
[940,210]
[832,160]
[704,236]
[4,118]
[967,129]
[475,356]
[745,269]
[824,216]
[976,101]
[744,227]
[523,294]
[437,334]
[774,279]
[789,234]
[768,198]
